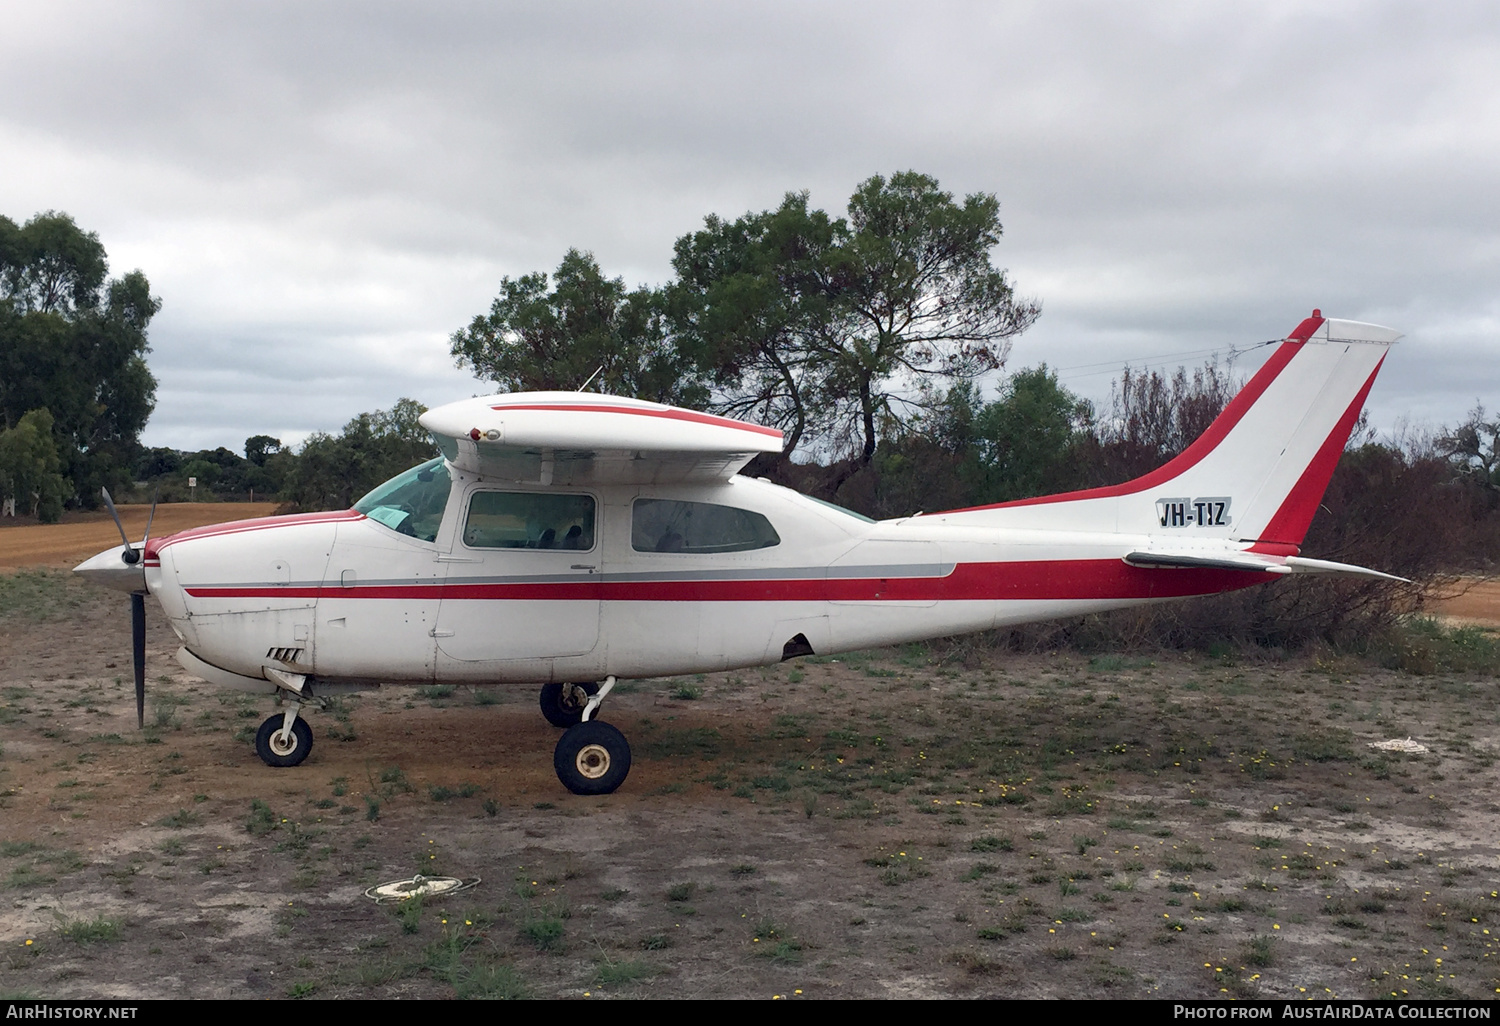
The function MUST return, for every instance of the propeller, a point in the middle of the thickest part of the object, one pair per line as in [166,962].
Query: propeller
[131,556]
[138,644]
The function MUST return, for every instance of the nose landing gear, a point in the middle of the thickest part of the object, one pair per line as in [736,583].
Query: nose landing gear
[283,739]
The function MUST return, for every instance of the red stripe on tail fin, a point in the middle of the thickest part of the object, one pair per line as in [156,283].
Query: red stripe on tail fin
[1288,526]
[1204,444]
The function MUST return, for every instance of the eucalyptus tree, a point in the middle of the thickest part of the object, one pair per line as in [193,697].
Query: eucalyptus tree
[74,342]
[832,327]
[573,329]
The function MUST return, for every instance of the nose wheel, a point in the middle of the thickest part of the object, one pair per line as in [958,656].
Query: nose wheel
[592,758]
[283,740]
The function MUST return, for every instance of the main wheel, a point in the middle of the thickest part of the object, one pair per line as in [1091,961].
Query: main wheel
[592,758]
[563,704]
[275,752]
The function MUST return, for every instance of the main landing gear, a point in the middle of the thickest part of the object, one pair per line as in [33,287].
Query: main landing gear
[591,757]
[563,704]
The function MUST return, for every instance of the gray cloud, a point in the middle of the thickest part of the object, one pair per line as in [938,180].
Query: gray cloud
[322,193]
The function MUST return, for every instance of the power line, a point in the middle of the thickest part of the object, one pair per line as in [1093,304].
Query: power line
[1113,366]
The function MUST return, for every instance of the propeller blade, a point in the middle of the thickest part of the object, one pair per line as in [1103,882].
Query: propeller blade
[154,496]
[129,555]
[138,645]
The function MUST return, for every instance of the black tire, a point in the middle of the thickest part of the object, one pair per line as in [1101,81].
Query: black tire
[271,752]
[592,758]
[560,711]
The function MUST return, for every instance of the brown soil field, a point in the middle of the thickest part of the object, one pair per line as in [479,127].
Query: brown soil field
[1476,602]
[928,821]
[68,544]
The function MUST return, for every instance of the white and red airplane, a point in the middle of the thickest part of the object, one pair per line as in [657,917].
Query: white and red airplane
[565,539]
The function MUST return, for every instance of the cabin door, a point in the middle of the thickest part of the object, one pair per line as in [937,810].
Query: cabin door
[522,585]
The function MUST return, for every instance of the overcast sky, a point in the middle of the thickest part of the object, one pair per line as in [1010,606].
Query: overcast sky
[321,193]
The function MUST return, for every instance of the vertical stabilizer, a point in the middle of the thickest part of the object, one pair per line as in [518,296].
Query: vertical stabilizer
[1259,471]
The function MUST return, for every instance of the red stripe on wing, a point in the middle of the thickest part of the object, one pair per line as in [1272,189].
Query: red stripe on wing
[667,414]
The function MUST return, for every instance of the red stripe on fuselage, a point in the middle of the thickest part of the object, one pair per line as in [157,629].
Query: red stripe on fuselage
[669,414]
[155,545]
[1076,579]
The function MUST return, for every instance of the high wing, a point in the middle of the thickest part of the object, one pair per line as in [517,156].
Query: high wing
[575,438]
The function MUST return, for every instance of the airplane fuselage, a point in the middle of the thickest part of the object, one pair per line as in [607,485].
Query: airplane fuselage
[342,597]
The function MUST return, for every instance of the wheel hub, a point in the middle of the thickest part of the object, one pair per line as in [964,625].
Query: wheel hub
[592,761]
[283,743]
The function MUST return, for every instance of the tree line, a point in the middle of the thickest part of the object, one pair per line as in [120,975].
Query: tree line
[861,336]
[326,472]
[838,329]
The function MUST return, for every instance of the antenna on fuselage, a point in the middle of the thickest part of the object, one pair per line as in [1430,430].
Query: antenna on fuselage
[592,376]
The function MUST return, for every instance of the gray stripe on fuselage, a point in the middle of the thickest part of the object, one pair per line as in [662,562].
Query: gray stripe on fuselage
[798,573]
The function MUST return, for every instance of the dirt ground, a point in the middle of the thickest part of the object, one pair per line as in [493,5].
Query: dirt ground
[1475,602]
[67,544]
[931,821]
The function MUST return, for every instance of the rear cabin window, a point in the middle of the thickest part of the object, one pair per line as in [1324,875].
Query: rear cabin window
[529,520]
[667,525]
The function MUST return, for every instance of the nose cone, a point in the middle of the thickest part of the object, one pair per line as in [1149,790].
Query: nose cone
[110,569]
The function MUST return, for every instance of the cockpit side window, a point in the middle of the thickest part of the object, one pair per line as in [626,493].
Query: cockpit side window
[669,525]
[411,503]
[530,520]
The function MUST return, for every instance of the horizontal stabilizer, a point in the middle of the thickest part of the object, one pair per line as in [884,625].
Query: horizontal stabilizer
[1249,561]
[1303,565]
[1217,561]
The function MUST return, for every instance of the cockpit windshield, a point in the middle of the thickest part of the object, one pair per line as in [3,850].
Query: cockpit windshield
[411,503]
